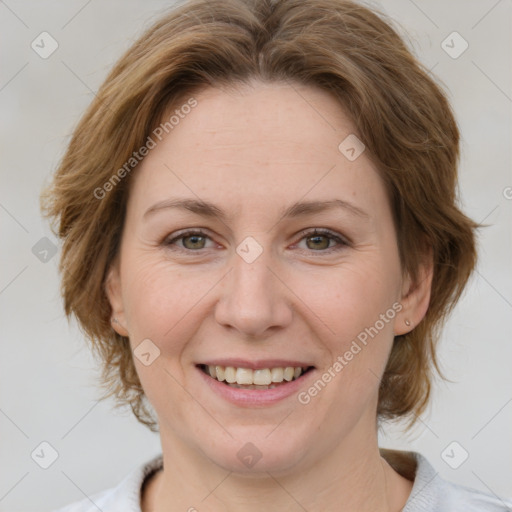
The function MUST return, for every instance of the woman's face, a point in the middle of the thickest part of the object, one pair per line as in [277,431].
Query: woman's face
[219,265]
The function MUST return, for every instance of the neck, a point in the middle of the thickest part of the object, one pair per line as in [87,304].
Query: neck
[353,477]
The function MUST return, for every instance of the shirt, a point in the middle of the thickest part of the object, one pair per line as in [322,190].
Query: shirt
[430,493]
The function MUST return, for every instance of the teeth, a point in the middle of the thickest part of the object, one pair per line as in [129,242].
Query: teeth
[230,374]
[220,373]
[288,373]
[276,374]
[272,386]
[262,377]
[244,376]
[253,379]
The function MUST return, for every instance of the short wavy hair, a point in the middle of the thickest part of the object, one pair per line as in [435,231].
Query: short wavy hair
[400,112]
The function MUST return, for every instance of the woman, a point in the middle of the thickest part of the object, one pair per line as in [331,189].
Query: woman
[260,238]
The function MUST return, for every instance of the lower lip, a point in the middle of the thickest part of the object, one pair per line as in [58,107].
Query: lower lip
[255,397]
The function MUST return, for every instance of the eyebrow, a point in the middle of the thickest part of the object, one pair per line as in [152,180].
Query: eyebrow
[207,209]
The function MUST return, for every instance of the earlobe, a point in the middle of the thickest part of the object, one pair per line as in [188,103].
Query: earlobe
[113,291]
[415,297]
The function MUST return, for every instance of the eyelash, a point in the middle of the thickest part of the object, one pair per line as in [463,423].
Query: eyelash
[305,234]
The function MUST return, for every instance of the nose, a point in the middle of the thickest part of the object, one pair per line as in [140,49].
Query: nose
[254,301]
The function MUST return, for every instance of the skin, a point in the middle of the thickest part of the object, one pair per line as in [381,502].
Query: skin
[252,152]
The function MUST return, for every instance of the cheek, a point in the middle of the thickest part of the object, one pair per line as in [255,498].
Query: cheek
[162,300]
[357,305]
[162,304]
[150,297]
[351,297]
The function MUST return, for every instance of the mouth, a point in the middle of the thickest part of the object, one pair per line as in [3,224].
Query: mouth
[254,379]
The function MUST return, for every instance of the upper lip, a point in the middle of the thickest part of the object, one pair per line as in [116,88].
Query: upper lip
[256,365]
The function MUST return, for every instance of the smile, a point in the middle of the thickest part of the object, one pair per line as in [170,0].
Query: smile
[247,378]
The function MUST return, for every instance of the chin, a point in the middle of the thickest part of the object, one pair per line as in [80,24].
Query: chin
[257,450]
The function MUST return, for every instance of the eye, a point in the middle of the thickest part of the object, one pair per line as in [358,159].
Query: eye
[323,240]
[190,240]
[318,240]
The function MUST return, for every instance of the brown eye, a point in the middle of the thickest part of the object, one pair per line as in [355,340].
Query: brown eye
[193,241]
[317,242]
[322,241]
[188,241]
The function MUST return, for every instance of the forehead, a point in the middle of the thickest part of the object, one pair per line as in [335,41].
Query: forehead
[271,114]
[272,142]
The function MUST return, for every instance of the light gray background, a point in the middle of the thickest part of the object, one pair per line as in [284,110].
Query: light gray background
[47,388]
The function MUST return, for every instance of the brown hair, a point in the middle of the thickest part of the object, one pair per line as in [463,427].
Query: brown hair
[401,115]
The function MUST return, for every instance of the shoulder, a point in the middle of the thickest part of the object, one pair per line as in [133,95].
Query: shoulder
[431,493]
[124,497]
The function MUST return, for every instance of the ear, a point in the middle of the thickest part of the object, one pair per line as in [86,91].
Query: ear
[415,297]
[113,291]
